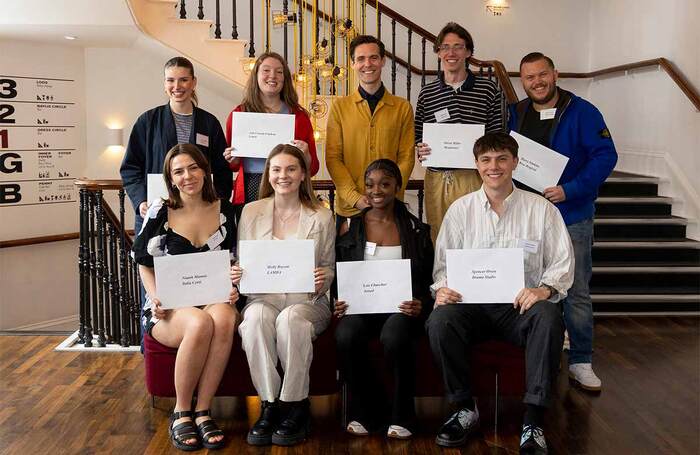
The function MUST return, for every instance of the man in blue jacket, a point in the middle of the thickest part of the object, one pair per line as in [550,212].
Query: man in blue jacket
[572,126]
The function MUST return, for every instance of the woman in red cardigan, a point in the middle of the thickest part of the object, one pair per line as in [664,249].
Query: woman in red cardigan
[269,90]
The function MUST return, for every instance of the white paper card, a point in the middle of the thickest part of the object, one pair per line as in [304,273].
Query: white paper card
[451,144]
[155,188]
[193,279]
[374,286]
[548,114]
[538,167]
[202,139]
[277,266]
[530,246]
[255,135]
[442,115]
[486,275]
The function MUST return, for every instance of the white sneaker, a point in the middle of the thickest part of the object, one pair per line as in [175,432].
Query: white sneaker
[356,428]
[582,374]
[398,432]
[567,345]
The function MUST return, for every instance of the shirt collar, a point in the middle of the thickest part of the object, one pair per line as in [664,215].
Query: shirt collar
[509,201]
[374,96]
[468,84]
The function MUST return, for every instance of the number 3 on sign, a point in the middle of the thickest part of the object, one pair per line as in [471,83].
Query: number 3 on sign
[7,88]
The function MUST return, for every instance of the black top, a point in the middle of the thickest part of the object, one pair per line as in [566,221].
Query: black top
[158,239]
[372,99]
[416,245]
[536,129]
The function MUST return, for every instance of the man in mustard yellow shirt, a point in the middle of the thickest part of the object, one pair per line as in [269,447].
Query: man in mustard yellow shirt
[369,124]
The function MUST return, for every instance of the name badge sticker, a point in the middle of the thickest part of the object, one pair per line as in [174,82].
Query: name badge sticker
[548,114]
[215,240]
[370,247]
[531,246]
[442,115]
[202,139]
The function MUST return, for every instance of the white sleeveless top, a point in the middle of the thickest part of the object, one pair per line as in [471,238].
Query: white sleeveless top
[384,253]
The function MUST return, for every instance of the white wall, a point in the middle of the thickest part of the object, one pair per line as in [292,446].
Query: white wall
[655,127]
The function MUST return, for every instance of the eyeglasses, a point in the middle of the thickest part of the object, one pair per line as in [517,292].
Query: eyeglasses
[454,47]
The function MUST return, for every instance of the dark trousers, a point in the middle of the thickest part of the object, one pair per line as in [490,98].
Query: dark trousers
[399,335]
[453,329]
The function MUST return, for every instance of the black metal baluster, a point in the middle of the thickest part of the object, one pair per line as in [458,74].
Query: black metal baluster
[133,294]
[200,14]
[100,269]
[93,273]
[81,266]
[316,35]
[364,15]
[393,56]
[301,35]
[267,25]
[217,29]
[379,21]
[137,309]
[422,63]
[421,196]
[183,11]
[409,74]
[234,27]
[251,44]
[285,11]
[333,62]
[331,199]
[106,278]
[114,284]
[122,273]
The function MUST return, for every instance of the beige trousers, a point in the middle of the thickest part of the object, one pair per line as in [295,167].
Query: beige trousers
[273,329]
[442,188]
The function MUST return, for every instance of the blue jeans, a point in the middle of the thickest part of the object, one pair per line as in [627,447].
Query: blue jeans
[578,308]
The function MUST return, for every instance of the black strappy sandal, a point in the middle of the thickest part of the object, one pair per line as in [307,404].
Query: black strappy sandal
[183,431]
[209,429]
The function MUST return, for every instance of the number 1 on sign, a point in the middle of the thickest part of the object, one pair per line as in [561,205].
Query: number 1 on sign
[4,143]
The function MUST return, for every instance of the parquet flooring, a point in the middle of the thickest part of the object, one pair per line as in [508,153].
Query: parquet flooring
[59,402]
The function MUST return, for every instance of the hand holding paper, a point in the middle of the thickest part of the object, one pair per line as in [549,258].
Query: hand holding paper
[374,286]
[256,134]
[277,266]
[538,166]
[451,144]
[486,275]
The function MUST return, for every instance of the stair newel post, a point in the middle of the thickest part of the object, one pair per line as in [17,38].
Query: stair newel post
[234,27]
[217,29]
[99,265]
[200,13]
[82,260]
[267,25]
[285,39]
[251,43]
[183,10]
[92,312]
[393,56]
[408,69]
[422,63]
[122,272]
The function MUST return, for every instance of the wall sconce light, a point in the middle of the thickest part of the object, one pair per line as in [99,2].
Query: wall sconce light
[247,63]
[497,7]
[115,137]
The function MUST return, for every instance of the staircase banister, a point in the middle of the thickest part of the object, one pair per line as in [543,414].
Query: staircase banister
[99,184]
[327,185]
[669,67]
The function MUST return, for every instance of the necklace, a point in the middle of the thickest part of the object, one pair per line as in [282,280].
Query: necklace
[283,220]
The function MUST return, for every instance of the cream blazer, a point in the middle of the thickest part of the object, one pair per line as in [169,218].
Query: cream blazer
[319,225]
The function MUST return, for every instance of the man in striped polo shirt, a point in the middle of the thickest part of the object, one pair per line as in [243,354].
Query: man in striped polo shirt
[456,96]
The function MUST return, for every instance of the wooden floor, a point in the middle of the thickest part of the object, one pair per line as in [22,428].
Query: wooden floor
[57,402]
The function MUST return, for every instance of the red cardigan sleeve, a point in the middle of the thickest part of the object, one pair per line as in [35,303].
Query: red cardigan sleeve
[303,131]
[239,108]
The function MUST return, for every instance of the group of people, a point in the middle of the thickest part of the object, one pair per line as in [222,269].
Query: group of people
[372,142]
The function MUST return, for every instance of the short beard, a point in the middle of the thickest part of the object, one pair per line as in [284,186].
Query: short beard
[547,97]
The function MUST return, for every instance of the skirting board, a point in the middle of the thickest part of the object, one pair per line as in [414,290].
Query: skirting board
[47,325]
[71,344]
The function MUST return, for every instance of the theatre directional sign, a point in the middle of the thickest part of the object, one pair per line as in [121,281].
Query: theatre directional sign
[38,140]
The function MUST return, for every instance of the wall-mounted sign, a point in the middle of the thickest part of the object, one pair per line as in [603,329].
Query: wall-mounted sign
[38,140]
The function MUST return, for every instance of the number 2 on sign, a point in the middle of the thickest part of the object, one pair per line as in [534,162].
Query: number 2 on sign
[4,143]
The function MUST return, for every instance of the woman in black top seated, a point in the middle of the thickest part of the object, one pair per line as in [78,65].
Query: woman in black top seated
[192,220]
[391,232]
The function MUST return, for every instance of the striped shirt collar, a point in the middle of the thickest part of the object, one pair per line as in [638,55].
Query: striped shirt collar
[467,85]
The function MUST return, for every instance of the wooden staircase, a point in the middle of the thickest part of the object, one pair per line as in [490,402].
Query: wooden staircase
[642,260]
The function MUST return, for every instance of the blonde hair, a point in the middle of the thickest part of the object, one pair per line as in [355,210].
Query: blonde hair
[306,190]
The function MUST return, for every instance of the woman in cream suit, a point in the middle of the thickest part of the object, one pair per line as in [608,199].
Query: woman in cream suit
[282,326]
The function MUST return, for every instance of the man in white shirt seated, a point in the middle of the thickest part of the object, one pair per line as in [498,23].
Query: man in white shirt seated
[501,216]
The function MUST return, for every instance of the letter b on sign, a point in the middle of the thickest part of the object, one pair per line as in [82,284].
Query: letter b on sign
[9,193]
[10,162]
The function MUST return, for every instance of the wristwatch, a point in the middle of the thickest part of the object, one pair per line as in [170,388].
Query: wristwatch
[552,291]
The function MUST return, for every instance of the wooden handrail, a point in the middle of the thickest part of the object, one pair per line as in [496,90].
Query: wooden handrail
[39,240]
[106,184]
[674,73]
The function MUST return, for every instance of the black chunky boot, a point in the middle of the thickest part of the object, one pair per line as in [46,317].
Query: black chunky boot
[261,433]
[296,425]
